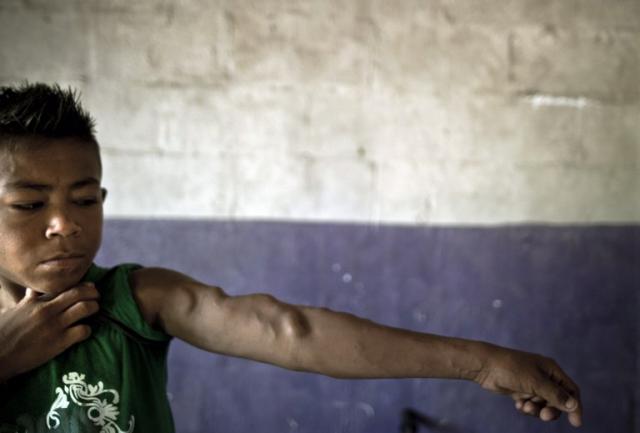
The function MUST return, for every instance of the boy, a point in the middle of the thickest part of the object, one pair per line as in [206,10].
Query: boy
[83,348]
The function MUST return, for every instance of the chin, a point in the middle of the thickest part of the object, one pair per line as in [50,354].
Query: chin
[54,287]
[55,281]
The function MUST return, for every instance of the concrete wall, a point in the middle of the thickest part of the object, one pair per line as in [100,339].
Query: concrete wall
[392,112]
[372,111]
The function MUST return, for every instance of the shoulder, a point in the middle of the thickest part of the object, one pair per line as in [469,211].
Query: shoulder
[150,287]
[144,279]
[161,281]
[120,301]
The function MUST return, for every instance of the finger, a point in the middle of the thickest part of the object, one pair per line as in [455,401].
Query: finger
[575,418]
[556,396]
[558,375]
[521,396]
[83,292]
[575,415]
[74,335]
[29,295]
[79,311]
[549,413]
[520,407]
[536,406]
[33,295]
[530,408]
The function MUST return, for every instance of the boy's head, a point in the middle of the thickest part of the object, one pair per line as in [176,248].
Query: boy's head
[50,193]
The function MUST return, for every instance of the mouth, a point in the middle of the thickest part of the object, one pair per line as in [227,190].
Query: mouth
[65,260]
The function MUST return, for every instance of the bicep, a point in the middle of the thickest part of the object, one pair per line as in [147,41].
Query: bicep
[172,301]
[251,326]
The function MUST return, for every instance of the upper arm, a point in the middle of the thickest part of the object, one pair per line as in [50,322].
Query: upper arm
[171,301]
[254,326]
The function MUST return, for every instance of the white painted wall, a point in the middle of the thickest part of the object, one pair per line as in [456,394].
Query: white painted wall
[371,111]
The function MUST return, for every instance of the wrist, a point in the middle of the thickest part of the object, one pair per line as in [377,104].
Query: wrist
[473,359]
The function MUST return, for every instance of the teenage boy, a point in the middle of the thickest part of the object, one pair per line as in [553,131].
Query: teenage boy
[83,348]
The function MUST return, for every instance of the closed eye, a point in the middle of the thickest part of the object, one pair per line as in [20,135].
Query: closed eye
[86,202]
[27,206]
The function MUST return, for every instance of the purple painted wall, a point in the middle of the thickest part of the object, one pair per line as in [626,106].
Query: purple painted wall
[568,292]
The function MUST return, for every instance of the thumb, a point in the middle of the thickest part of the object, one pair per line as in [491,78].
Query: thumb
[30,295]
[556,396]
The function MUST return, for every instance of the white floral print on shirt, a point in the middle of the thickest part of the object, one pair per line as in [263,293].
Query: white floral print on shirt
[102,412]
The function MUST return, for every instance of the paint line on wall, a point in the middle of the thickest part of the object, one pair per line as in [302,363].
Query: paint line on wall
[541,100]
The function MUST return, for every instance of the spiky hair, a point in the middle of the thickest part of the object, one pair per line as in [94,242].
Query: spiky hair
[43,110]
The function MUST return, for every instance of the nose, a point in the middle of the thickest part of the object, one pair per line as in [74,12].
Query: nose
[61,224]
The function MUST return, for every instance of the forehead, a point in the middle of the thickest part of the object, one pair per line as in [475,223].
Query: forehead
[48,161]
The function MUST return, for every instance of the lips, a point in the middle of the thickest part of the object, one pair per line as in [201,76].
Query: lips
[64,262]
[64,257]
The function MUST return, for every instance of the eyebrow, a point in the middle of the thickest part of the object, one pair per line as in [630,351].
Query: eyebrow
[25,184]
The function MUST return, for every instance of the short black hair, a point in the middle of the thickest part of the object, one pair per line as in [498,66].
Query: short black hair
[43,110]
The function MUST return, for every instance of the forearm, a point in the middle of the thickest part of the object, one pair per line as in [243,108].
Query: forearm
[342,345]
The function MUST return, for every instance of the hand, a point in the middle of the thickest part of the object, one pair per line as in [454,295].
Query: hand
[537,384]
[37,330]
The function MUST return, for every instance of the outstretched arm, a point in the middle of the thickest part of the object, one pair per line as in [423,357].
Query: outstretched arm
[341,345]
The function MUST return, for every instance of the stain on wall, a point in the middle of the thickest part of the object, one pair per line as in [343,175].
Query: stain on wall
[496,113]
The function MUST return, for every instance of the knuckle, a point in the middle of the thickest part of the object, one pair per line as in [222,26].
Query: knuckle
[83,308]
[74,293]
[89,307]
[561,396]
[41,313]
[56,324]
[85,332]
[94,306]
[78,333]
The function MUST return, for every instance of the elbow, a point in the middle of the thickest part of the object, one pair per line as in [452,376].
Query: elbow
[294,325]
[294,332]
[283,321]
[284,332]
[279,321]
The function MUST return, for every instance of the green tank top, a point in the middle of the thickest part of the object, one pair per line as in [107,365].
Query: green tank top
[113,382]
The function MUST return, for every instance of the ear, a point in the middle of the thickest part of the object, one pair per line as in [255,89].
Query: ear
[104,194]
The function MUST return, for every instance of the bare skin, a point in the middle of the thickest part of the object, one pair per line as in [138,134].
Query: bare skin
[50,205]
[50,326]
[259,327]
[65,215]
